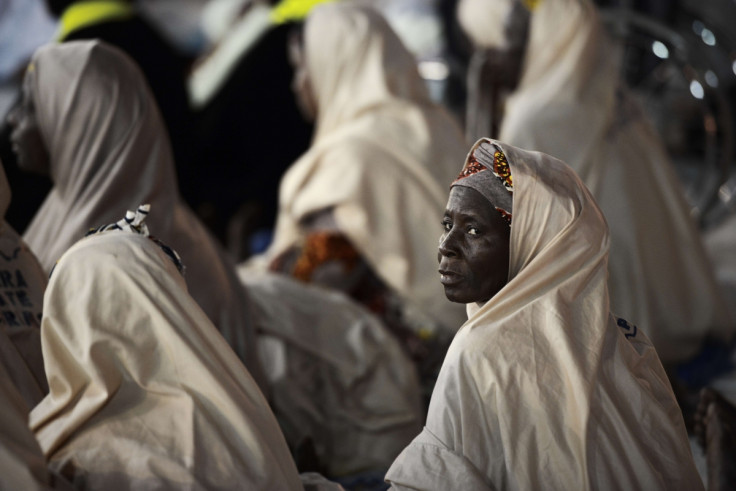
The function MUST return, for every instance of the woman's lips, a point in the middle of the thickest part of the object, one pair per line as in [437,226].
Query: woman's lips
[448,277]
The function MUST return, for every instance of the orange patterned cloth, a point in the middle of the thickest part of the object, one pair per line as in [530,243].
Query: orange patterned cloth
[322,247]
[497,185]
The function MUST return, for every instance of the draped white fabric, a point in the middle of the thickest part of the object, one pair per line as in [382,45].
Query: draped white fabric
[336,375]
[110,153]
[145,393]
[540,388]
[570,103]
[22,282]
[382,159]
[22,464]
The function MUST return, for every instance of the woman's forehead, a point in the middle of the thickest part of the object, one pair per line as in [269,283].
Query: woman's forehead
[467,201]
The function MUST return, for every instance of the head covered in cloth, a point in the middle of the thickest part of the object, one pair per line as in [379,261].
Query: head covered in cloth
[487,171]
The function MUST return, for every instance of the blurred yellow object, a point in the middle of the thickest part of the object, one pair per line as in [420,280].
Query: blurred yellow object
[531,5]
[83,14]
[294,10]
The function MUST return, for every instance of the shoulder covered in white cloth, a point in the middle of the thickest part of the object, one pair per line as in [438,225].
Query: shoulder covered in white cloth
[125,348]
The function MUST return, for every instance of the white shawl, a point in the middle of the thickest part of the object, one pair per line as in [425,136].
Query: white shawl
[382,158]
[145,393]
[570,104]
[22,282]
[110,153]
[22,464]
[541,389]
[336,374]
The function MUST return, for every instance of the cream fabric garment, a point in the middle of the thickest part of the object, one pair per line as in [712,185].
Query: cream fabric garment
[22,282]
[336,375]
[22,464]
[570,104]
[540,388]
[382,157]
[145,393]
[110,153]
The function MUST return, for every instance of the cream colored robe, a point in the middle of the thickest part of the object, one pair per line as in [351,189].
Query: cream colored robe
[336,374]
[145,393]
[382,158]
[540,388]
[110,153]
[22,464]
[22,282]
[570,103]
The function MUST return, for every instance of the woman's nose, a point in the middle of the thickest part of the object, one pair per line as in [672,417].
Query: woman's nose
[13,116]
[448,246]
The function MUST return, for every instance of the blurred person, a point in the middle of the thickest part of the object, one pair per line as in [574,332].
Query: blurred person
[357,211]
[89,120]
[22,283]
[24,26]
[145,393]
[570,102]
[542,387]
[119,23]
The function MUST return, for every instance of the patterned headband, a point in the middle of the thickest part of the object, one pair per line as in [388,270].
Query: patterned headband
[487,171]
[134,222]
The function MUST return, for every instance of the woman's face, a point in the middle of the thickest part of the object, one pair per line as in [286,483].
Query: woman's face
[474,249]
[26,138]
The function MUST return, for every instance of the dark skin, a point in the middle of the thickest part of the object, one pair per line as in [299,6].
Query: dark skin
[474,249]
[26,139]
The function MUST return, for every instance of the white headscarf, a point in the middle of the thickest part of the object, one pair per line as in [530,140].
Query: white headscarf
[145,393]
[22,282]
[109,153]
[382,158]
[570,103]
[541,389]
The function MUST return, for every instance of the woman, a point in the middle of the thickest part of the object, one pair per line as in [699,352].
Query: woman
[106,150]
[354,211]
[570,102]
[145,393]
[542,388]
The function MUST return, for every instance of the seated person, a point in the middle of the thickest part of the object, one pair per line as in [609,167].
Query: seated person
[355,211]
[89,120]
[571,102]
[119,23]
[145,393]
[542,387]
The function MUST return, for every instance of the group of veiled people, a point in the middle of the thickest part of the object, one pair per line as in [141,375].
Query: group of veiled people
[342,355]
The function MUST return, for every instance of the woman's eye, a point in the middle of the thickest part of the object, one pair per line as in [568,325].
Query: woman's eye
[473,231]
[446,226]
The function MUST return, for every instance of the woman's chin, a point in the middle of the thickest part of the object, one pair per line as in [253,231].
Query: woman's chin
[457,295]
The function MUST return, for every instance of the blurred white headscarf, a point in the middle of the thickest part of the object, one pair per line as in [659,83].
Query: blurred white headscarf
[382,158]
[109,153]
[145,393]
[571,103]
